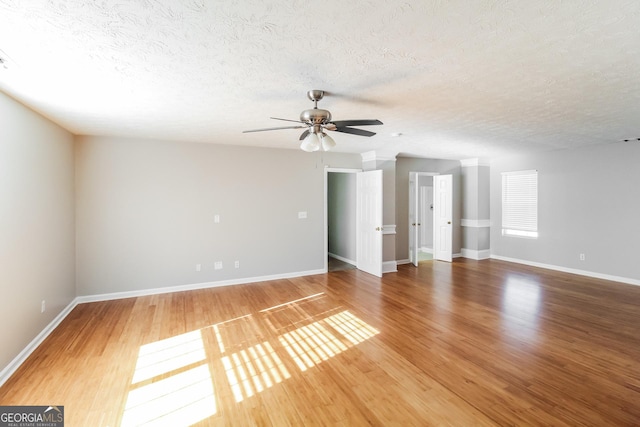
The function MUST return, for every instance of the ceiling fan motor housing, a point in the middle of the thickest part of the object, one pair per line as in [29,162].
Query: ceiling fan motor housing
[315,116]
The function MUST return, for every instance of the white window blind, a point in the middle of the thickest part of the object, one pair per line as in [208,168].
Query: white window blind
[520,203]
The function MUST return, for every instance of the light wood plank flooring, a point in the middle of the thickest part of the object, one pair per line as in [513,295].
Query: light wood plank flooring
[468,343]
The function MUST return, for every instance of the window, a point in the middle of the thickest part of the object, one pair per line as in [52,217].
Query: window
[520,204]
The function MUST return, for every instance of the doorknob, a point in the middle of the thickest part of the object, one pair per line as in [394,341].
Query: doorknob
[448,222]
[377,228]
[414,224]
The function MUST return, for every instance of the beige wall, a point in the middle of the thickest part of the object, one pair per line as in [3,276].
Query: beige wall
[146,212]
[37,253]
[579,191]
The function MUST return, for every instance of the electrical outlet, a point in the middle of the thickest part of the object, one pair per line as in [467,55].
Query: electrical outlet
[43,306]
[218,265]
[198,267]
[237,264]
[582,258]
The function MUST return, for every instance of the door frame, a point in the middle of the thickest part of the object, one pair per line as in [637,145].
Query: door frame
[328,169]
[413,200]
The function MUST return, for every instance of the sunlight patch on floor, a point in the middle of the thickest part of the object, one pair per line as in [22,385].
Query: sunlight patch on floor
[169,354]
[172,384]
[352,328]
[312,344]
[254,370]
[182,399]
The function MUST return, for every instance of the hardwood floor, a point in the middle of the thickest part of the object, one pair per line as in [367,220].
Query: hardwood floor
[335,264]
[467,343]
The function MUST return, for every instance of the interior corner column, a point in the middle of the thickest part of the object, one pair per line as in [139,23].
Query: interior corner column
[475,209]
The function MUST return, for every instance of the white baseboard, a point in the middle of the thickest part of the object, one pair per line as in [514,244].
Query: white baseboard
[195,286]
[474,254]
[343,259]
[570,270]
[13,366]
[389,267]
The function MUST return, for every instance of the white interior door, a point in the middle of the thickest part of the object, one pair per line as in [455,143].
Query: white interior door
[425,216]
[443,217]
[369,222]
[414,241]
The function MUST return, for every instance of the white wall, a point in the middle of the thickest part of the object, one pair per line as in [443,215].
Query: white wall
[37,253]
[145,212]
[588,202]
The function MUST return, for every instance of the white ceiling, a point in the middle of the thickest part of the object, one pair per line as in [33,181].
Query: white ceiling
[459,79]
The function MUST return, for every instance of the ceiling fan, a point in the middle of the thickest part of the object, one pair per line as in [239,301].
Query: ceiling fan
[317,121]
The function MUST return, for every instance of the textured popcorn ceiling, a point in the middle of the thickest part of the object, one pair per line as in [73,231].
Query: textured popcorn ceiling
[459,79]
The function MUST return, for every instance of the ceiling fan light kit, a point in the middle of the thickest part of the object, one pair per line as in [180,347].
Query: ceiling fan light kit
[311,143]
[327,142]
[315,141]
[317,120]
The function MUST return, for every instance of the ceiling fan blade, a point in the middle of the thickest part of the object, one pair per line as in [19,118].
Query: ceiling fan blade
[355,131]
[278,128]
[304,134]
[341,123]
[286,120]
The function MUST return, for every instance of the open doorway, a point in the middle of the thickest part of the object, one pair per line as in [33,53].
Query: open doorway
[341,219]
[421,220]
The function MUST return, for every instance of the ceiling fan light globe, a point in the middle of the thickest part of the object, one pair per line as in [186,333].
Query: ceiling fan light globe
[327,142]
[310,143]
[305,146]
